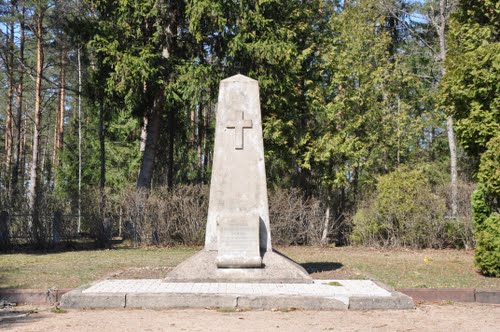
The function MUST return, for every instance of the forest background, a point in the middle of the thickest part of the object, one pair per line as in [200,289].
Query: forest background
[381,122]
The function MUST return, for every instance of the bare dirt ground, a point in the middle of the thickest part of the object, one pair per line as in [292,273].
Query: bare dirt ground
[426,317]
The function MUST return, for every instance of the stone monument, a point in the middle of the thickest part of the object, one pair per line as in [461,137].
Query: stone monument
[238,235]
[238,239]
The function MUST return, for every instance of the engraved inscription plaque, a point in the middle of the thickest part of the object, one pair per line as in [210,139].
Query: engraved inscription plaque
[238,238]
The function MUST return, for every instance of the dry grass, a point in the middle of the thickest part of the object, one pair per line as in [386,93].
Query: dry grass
[74,268]
[396,267]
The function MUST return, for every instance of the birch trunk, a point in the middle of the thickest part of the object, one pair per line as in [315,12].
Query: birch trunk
[324,236]
[453,166]
[444,12]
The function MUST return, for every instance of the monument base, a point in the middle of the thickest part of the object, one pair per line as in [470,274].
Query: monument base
[202,267]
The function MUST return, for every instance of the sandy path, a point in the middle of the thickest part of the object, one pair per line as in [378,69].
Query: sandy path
[428,317]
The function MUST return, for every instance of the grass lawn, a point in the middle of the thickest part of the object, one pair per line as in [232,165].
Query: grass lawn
[74,268]
[399,268]
[396,267]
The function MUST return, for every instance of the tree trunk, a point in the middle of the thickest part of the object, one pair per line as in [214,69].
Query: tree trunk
[35,159]
[102,160]
[151,134]
[204,155]
[144,134]
[44,148]
[79,106]
[324,237]
[200,130]
[24,149]
[10,93]
[19,108]
[171,144]
[453,166]
[152,125]
[441,31]
[59,128]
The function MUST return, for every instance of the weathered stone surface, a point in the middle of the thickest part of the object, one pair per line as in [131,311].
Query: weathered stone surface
[238,238]
[202,268]
[395,301]
[77,299]
[180,301]
[440,294]
[288,302]
[488,296]
[238,185]
[153,294]
[32,296]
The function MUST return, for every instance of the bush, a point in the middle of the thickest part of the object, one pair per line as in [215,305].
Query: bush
[294,218]
[166,216]
[459,229]
[489,170]
[485,206]
[487,255]
[481,208]
[404,212]
[98,216]
[179,215]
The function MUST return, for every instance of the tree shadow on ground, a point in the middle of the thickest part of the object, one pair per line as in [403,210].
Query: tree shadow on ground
[80,244]
[16,317]
[317,267]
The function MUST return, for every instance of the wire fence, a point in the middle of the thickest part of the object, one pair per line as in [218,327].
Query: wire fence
[51,229]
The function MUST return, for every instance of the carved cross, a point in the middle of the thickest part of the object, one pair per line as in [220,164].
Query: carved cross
[238,125]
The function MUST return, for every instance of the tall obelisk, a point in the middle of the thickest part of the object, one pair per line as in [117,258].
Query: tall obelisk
[238,186]
[238,234]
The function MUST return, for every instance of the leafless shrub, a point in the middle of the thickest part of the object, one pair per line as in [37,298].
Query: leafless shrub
[460,230]
[166,216]
[99,215]
[294,218]
[179,215]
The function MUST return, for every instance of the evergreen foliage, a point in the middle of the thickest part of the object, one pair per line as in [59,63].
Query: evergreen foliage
[470,88]
[405,211]
[481,206]
[489,168]
[471,92]
[352,119]
[487,256]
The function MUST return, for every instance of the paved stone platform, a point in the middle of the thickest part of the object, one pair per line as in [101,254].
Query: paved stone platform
[158,294]
[202,267]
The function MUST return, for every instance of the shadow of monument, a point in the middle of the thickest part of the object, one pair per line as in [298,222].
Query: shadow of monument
[317,267]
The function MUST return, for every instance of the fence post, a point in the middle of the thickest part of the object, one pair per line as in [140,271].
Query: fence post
[56,227]
[4,230]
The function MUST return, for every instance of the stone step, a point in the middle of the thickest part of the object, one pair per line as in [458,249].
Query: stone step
[157,294]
